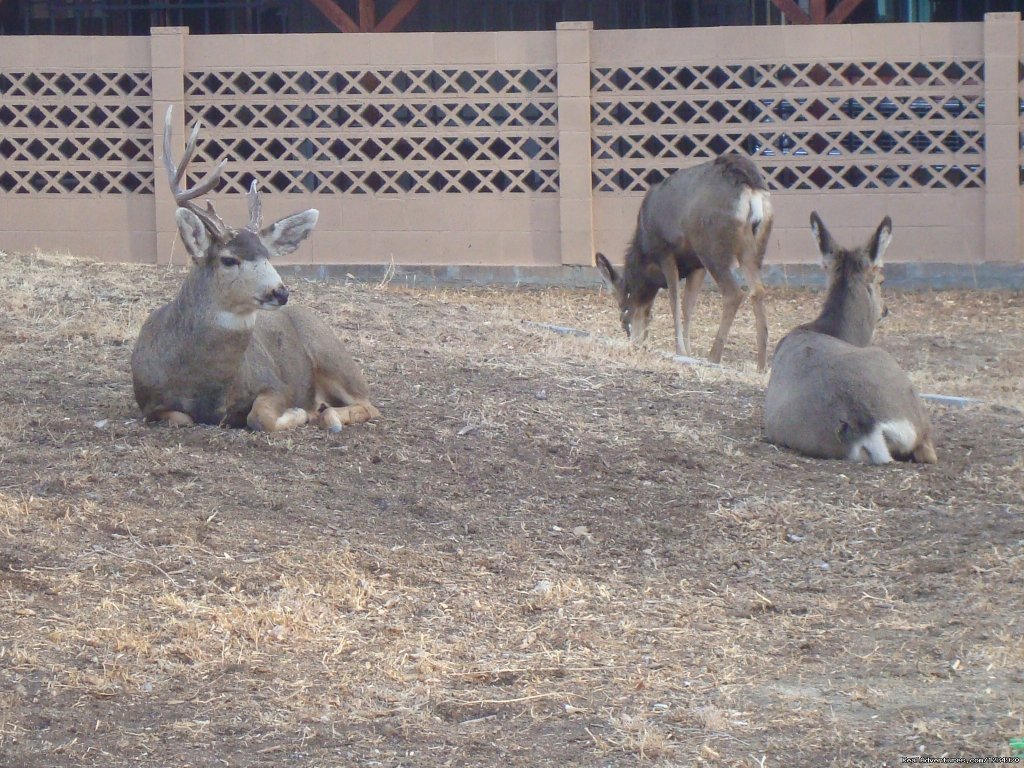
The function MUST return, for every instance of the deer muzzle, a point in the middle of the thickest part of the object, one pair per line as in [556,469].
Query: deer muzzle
[276,298]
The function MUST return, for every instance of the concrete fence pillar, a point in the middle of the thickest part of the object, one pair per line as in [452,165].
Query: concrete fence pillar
[167,63]
[1002,137]
[576,209]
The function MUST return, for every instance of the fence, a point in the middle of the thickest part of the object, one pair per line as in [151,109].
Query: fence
[519,149]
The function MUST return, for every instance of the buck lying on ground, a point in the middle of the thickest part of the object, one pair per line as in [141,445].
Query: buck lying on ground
[213,355]
[833,396]
[700,219]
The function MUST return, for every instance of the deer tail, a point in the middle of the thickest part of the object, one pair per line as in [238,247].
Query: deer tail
[753,207]
[756,215]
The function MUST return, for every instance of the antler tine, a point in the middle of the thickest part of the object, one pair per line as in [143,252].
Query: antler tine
[210,215]
[176,172]
[208,182]
[255,208]
[172,172]
[190,149]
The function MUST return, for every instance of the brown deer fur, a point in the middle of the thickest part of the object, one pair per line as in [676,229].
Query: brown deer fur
[216,355]
[700,219]
[831,394]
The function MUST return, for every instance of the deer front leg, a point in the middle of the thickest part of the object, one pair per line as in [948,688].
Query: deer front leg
[671,272]
[343,395]
[172,418]
[925,453]
[270,413]
[334,418]
[694,281]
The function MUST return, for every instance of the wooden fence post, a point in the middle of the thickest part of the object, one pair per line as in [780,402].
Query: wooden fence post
[576,200]
[1002,137]
[167,46]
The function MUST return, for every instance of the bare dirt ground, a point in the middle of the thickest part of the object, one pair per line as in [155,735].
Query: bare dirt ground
[548,552]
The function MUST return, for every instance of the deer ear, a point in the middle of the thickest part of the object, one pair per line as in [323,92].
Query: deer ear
[283,236]
[880,242]
[608,272]
[193,234]
[826,245]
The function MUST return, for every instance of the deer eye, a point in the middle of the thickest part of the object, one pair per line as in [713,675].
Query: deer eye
[229,261]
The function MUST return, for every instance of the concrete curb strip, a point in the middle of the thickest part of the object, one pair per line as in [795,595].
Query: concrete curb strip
[989,276]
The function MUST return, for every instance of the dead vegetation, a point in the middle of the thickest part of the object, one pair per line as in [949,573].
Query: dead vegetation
[549,551]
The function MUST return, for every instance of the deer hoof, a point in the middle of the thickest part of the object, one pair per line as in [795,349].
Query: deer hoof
[330,419]
[293,417]
[178,419]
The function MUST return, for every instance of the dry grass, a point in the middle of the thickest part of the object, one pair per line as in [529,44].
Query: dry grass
[549,550]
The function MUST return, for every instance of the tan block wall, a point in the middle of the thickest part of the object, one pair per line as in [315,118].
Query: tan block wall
[70,103]
[387,73]
[939,227]
[942,223]
[524,149]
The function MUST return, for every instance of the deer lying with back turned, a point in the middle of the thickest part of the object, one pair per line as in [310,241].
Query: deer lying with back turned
[831,394]
[700,219]
[216,354]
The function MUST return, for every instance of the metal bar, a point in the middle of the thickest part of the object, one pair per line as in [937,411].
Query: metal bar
[951,401]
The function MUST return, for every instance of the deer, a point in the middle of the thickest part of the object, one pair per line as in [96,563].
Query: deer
[702,219]
[226,350]
[833,395]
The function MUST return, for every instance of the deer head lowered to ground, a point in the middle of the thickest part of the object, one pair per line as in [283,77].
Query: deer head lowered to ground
[831,394]
[216,354]
[700,219]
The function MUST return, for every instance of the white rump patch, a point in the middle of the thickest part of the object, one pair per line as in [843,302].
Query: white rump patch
[742,210]
[231,321]
[758,204]
[750,207]
[900,435]
[888,437]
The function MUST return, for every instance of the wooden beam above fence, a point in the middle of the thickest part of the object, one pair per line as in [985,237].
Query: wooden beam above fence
[819,13]
[842,9]
[335,15]
[396,15]
[367,15]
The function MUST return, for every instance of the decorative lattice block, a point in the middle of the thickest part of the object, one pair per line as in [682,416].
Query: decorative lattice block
[80,132]
[812,125]
[392,131]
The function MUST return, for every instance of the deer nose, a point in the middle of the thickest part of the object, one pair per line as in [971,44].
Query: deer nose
[279,295]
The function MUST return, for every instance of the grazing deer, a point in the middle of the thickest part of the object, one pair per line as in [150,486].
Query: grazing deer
[700,219]
[213,356]
[831,394]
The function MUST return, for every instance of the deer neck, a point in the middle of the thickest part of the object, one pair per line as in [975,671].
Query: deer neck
[215,331]
[642,280]
[848,313]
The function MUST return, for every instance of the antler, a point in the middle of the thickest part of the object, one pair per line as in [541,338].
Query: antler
[255,209]
[184,197]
